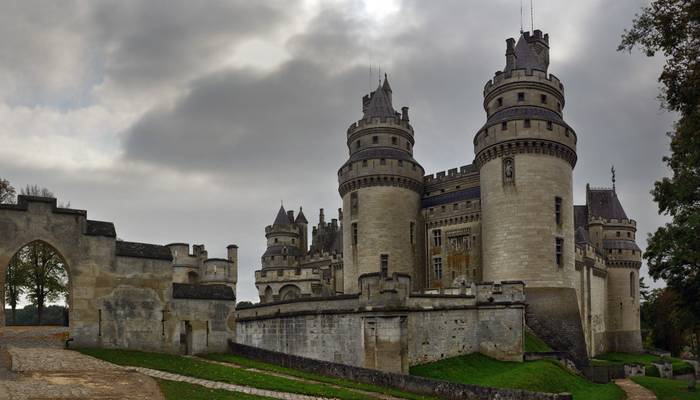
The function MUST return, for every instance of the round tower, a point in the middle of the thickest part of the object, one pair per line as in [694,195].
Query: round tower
[381,186]
[283,238]
[526,154]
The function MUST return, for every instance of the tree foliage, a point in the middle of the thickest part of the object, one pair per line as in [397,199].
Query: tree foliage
[16,282]
[7,192]
[672,27]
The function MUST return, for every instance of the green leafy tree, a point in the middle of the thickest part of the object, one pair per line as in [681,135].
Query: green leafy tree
[47,275]
[672,27]
[7,192]
[16,280]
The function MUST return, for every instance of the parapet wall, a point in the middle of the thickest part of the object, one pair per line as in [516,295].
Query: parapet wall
[523,75]
[388,328]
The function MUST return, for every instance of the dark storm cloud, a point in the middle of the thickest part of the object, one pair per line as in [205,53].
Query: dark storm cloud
[154,42]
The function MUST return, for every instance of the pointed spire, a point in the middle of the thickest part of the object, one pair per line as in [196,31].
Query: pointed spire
[380,102]
[301,218]
[386,86]
[281,218]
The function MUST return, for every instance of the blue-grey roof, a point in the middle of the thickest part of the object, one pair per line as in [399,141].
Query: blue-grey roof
[524,112]
[604,203]
[620,244]
[380,103]
[282,217]
[143,250]
[202,292]
[451,197]
[526,56]
[381,152]
[301,218]
[277,250]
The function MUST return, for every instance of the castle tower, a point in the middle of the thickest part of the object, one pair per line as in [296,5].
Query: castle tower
[526,154]
[283,238]
[303,225]
[381,186]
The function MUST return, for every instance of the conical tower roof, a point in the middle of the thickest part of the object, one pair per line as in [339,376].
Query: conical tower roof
[282,218]
[301,218]
[380,102]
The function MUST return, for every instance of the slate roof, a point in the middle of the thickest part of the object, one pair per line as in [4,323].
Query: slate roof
[380,103]
[526,56]
[620,244]
[202,292]
[381,152]
[143,250]
[524,112]
[580,216]
[100,228]
[301,218]
[282,218]
[451,197]
[581,235]
[604,203]
[276,250]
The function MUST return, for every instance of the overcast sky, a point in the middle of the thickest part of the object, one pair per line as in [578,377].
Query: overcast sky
[189,121]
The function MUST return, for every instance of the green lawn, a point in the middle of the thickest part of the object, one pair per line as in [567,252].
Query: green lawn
[679,366]
[667,389]
[248,363]
[204,370]
[541,376]
[533,344]
[187,391]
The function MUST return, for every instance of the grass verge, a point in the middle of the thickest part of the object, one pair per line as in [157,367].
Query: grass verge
[533,344]
[205,370]
[540,376]
[680,367]
[248,363]
[667,389]
[187,391]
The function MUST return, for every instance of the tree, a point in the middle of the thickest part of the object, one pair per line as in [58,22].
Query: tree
[47,275]
[38,191]
[16,280]
[673,251]
[7,192]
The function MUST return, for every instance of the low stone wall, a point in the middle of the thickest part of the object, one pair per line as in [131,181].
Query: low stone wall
[443,389]
[387,328]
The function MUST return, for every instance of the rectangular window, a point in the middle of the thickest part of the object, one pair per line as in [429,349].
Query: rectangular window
[455,206]
[437,267]
[357,144]
[354,233]
[400,163]
[549,125]
[527,123]
[543,98]
[354,204]
[375,139]
[408,145]
[412,232]
[560,251]
[437,237]
[500,101]
[504,125]
[364,163]
[384,264]
[521,96]
[382,161]
[394,140]
[557,210]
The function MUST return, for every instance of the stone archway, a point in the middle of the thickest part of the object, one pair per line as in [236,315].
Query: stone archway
[289,292]
[54,274]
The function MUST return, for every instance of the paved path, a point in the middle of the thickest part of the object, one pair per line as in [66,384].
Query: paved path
[221,385]
[634,391]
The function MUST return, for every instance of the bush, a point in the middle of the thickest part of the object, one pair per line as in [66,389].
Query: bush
[651,370]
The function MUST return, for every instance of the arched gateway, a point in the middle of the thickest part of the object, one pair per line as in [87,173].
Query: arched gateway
[122,294]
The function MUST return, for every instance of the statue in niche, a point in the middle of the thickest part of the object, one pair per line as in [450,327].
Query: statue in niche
[508,170]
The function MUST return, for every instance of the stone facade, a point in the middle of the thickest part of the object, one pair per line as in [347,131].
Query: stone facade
[507,216]
[125,294]
[384,325]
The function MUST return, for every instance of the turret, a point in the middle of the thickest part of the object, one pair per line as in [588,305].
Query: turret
[283,241]
[526,153]
[381,186]
[303,226]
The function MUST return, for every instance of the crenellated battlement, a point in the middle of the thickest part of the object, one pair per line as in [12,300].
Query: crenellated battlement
[523,75]
[613,221]
[452,173]
[380,122]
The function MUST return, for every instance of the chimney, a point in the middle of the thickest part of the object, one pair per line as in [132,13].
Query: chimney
[321,218]
[510,54]
[290,215]
[404,113]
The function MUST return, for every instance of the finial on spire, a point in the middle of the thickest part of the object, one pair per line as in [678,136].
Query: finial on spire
[521,17]
[612,170]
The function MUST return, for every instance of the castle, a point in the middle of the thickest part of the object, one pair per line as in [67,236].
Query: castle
[506,218]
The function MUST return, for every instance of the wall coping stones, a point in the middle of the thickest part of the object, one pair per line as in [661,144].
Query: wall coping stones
[443,389]
[203,292]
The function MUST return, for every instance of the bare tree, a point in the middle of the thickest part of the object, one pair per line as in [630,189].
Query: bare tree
[7,192]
